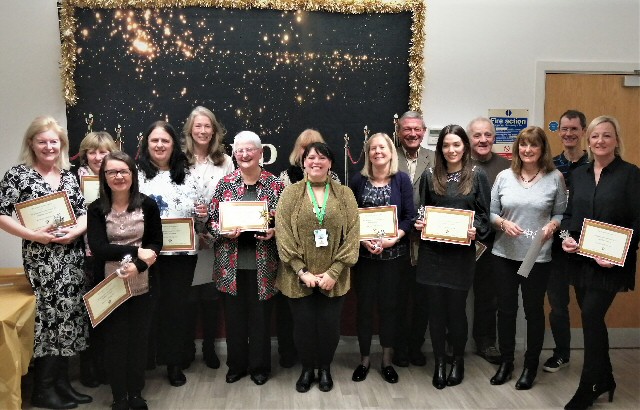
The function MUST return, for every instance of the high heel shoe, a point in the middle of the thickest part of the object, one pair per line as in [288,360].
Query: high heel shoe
[525,382]
[440,374]
[587,393]
[503,374]
[457,372]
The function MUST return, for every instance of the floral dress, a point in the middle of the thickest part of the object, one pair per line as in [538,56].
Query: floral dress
[54,270]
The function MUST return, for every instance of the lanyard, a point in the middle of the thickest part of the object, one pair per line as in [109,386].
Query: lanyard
[320,213]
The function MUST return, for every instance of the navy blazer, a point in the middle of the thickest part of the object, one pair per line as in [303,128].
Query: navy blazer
[401,197]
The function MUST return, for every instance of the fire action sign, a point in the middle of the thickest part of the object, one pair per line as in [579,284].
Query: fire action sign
[508,123]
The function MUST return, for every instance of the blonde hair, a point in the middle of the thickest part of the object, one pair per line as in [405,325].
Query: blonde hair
[306,138]
[367,170]
[95,140]
[37,126]
[216,147]
[535,136]
[616,126]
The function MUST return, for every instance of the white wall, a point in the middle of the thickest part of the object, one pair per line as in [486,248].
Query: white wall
[478,55]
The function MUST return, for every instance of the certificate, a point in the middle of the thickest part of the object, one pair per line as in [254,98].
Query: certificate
[480,248]
[106,297]
[49,209]
[246,215]
[378,222]
[609,242]
[447,225]
[90,187]
[178,235]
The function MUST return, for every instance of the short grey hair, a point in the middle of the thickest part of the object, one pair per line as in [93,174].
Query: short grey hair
[247,136]
[481,119]
[410,115]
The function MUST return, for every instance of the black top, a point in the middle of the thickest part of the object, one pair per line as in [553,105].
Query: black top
[104,251]
[615,200]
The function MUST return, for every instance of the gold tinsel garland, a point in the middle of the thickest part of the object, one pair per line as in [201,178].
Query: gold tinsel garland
[68,25]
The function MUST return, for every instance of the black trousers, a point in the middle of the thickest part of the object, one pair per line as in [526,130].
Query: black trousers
[533,289]
[316,328]
[284,327]
[558,295]
[174,275]
[413,312]
[248,325]
[594,304]
[202,303]
[485,302]
[448,319]
[376,283]
[126,332]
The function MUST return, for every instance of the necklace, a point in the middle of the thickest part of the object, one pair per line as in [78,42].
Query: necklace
[528,181]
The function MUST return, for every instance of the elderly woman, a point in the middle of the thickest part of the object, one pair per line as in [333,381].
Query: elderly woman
[527,201]
[202,144]
[124,222]
[318,230]
[164,177]
[445,270]
[378,272]
[93,148]
[52,263]
[606,190]
[246,264]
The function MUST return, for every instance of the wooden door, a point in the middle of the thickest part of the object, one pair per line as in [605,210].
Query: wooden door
[595,95]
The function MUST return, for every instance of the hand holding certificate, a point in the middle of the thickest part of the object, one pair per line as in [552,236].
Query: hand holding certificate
[53,209]
[447,225]
[600,240]
[244,215]
[378,222]
[108,295]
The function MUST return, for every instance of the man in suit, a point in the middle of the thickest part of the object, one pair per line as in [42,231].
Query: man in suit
[414,160]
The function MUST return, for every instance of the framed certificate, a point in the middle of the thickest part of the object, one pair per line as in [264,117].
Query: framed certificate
[90,187]
[480,248]
[49,209]
[378,222]
[609,242]
[447,225]
[106,297]
[246,215]
[178,235]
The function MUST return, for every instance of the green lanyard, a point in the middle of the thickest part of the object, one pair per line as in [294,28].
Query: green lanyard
[320,213]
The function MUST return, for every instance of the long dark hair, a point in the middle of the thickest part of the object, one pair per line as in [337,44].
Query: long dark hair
[106,198]
[177,162]
[440,168]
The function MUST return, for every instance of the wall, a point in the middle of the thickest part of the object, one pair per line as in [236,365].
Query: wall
[478,55]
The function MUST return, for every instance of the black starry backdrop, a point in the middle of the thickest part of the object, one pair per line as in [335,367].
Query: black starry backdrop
[271,72]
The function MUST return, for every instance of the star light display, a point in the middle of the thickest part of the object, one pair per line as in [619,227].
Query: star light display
[274,72]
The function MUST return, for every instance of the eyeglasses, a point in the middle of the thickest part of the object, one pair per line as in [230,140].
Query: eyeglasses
[566,129]
[248,151]
[112,173]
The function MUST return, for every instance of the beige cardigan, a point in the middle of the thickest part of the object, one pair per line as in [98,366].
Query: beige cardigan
[295,223]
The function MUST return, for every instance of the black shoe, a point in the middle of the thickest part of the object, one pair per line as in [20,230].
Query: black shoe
[417,358]
[259,378]
[400,359]
[136,402]
[360,373]
[120,404]
[64,388]
[440,374]
[457,372]
[525,382]
[211,360]
[389,374]
[503,375]
[304,381]
[587,393]
[175,375]
[288,360]
[490,354]
[325,382]
[234,377]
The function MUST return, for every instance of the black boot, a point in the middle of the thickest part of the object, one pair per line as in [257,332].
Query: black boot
[525,382]
[503,374]
[587,393]
[64,388]
[440,373]
[457,371]
[304,381]
[87,373]
[44,392]
[325,381]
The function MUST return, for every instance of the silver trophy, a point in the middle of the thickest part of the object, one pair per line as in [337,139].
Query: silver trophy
[200,200]
[58,220]
[380,235]
[125,260]
[564,234]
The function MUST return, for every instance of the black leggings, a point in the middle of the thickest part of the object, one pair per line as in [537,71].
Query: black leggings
[448,314]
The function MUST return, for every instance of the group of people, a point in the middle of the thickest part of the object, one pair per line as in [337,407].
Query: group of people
[310,253]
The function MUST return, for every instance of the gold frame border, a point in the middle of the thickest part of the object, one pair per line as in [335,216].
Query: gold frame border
[68,25]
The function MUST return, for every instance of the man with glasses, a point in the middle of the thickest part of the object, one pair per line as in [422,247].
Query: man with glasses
[413,159]
[573,125]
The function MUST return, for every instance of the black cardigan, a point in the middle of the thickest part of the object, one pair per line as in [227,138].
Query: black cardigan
[104,251]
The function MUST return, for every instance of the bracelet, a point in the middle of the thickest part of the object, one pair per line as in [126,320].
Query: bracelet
[502,225]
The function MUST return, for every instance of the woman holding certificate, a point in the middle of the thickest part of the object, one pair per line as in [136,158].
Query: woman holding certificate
[202,144]
[318,239]
[605,190]
[445,269]
[164,176]
[382,261]
[527,202]
[122,222]
[246,258]
[52,256]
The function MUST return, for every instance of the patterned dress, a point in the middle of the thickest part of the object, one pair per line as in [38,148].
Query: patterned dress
[54,270]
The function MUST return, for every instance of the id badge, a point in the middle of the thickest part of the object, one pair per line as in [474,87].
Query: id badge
[321,237]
